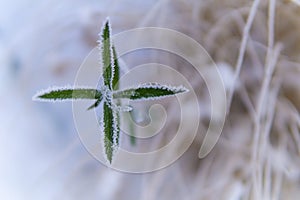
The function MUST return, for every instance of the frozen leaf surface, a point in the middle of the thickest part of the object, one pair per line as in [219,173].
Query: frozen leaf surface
[109,123]
[107,54]
[67,94]
[149,91]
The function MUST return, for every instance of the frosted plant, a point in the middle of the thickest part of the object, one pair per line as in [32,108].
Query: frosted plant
[109,94]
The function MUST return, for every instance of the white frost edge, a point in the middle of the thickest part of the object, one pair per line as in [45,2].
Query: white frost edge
[116,130]
[102,134]
[58,88]
[100,47]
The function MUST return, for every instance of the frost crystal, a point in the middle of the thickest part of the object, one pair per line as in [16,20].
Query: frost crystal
[178,89]
[116,131]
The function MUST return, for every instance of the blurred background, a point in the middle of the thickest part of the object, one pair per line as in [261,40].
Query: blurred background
[256,43]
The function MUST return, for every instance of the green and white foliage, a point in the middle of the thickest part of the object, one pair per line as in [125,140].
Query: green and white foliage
[109,94]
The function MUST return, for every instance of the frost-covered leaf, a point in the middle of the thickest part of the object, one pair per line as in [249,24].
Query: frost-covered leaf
[65,94]
[107,54]
[110,130]
[115,86]
[115,80]
[149,91]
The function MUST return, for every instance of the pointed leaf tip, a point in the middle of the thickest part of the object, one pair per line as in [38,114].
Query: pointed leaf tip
[107,54]
[94,105]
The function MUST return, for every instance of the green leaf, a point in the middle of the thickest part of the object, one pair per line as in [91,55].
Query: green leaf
[94,105]
[107,55]
[109,130]
[115,86]
[115,80]
[63,94]
[149,91]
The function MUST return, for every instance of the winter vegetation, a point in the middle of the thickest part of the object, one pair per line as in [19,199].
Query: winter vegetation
[256,46]
[109,118]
